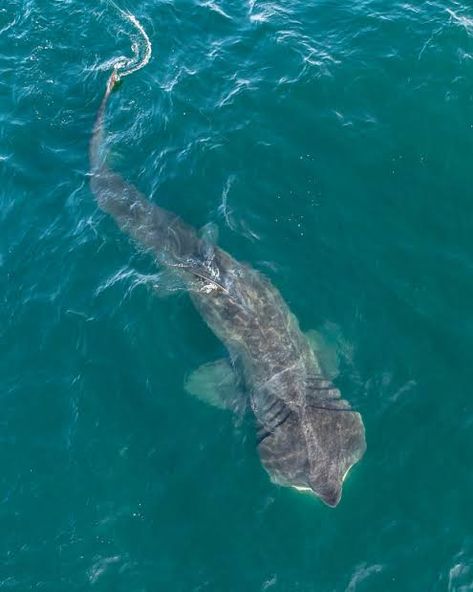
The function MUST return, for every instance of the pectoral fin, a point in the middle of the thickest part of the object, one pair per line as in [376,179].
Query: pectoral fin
[216,383]
[326,353]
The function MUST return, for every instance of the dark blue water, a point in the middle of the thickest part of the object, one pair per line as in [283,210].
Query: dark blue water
[332,144]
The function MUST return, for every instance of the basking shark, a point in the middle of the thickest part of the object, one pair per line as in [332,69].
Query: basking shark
[307,436]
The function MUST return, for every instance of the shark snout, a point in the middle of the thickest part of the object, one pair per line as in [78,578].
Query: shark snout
[330,493]
[331,496]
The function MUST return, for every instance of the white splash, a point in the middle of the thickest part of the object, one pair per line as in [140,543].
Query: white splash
[216,8]
[362,573]
[141,47]
[223,207]
[460,19]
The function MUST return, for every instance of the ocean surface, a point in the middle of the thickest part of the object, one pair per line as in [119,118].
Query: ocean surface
[332,145]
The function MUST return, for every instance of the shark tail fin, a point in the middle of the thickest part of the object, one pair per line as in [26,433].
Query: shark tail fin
[96,141]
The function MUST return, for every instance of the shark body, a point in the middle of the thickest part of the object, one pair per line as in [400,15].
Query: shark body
[308,437]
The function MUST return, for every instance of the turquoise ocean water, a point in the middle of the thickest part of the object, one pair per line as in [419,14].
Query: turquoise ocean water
[332,144]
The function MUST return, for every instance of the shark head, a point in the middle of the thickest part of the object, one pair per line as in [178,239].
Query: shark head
[314,448]
[335,445]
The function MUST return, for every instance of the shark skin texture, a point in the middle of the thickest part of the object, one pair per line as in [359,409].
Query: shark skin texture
[308,437]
